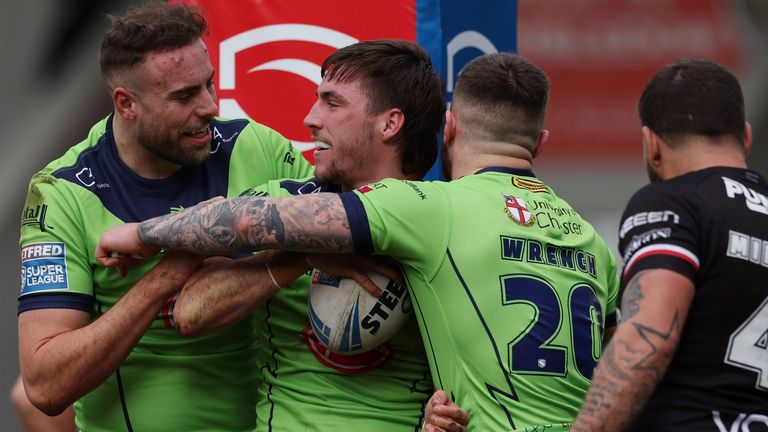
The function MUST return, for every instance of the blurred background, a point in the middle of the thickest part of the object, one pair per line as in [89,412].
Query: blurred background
[598,53]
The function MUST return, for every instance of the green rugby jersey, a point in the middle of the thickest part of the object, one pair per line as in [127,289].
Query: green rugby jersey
[167,383]
[512,290]
[307,388]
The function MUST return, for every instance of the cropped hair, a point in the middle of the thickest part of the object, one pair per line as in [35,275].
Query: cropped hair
[693,98]
[397,74]
[156,26]
[503,98]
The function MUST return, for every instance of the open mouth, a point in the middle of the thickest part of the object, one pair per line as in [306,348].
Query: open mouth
[197,133]
[320,145]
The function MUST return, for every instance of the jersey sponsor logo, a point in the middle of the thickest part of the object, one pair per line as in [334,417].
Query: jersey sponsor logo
[549,216]
[43,267]
[35,216]
[747,248]
[515,208]
[416,189]
[744,422]
[348,364]
[755,201]
[662,249]
[649,217]
[641,240]
[529,185]
[532,251]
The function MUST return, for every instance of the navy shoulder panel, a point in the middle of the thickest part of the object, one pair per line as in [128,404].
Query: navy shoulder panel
[133,198]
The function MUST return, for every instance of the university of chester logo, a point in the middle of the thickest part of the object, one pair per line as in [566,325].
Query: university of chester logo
[517,211]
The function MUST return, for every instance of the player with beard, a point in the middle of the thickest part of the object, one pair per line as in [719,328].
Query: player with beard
[88,335]
[691,351]
[379,109]
[511,305]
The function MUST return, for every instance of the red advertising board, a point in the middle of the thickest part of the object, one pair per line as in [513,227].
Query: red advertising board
[267,53]
[599,54]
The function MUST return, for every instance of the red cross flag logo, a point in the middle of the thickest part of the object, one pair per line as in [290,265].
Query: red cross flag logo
[517,211]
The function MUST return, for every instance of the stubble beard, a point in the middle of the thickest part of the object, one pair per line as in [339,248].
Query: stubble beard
[169,148]
[358,158]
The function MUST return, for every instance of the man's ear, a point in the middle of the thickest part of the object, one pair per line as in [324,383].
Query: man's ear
[652,147]
[747,138]
[125,102]
[449,132]
[393,123]
[543,138]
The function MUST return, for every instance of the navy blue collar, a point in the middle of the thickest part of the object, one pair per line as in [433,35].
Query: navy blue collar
[508,170]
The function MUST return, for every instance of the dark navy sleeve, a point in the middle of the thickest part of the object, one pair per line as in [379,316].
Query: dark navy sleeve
[58,300]
[358,222]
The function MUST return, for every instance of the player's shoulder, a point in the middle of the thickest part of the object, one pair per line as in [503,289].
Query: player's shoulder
[74,156]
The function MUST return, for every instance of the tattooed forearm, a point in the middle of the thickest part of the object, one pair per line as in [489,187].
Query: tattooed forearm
[633,295]
[633,363]
[658,348]
[315,222]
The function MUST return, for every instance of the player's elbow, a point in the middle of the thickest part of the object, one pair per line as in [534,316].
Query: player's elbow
[187,324]
[48,401]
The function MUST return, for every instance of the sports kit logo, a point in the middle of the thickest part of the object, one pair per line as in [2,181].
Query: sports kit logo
[85,176]
[517,211]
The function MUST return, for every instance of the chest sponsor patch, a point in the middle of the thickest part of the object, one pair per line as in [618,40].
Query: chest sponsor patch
[43,267]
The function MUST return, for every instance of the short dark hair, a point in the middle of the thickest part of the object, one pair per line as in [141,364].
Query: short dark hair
[507,95]
[693,97]
[153,27]
[397,74]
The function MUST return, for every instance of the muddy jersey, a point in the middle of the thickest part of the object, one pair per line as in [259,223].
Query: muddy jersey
[167,382]
[512,290]
[307,388]
[711,226]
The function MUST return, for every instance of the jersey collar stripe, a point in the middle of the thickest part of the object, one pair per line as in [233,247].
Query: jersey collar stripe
[662,249]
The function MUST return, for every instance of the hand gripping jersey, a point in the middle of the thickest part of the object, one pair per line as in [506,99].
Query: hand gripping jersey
[512,290]
[167,383]
[306,388]
[711,226]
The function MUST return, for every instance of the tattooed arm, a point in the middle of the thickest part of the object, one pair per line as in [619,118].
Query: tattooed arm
[315,223]
[654,308]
